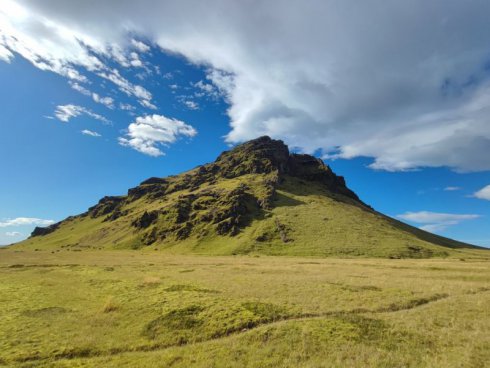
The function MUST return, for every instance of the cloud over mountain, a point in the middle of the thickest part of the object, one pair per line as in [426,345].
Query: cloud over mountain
[406,83]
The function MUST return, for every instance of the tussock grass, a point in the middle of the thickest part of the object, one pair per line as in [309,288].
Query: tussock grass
[110,305]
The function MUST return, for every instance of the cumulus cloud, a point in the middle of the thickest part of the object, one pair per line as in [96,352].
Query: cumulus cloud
[404,82]
[90,133]
[483,193]
[22,221]
[149,132]
[65,113]
[434,221]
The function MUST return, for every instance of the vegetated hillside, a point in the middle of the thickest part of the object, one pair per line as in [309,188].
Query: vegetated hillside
[255,199]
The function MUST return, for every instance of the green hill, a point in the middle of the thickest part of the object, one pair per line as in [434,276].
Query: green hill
[255,199]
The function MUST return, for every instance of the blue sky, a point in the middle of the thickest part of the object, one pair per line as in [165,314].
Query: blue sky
[88,113]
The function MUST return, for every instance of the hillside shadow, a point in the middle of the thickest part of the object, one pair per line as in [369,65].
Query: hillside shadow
[282,200]
[298,187]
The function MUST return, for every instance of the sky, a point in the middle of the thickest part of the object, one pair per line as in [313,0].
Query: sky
[393,95]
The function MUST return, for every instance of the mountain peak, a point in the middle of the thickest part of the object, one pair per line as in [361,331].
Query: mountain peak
[265,155]
[260,155]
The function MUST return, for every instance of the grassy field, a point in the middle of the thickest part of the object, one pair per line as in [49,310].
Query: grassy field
[146,309]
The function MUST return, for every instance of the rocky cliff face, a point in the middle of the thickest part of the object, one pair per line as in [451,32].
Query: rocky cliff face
[266,155]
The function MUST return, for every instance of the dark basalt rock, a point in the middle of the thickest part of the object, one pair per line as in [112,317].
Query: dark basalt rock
[183,208]
[154,181]
[106,205]
[41,231]
[259,156]
[145,220]
[115,215]
[310,168]
[154,189]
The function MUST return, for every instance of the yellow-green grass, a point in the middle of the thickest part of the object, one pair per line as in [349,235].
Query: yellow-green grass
[134,308]
[305,220]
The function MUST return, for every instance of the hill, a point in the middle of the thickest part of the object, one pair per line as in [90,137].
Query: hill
[257,198]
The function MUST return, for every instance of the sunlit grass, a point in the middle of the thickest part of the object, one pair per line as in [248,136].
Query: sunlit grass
[134,308]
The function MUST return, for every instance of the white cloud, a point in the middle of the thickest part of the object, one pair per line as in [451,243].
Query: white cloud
[147,133]
[5,54]
[404,82]
[127,107]
[38,39]
[483,193]
[148,104]
[452,189]
[143,95]
[135,60]
[106,101]
[435,221]
[191,105]
[90,133]
[206,90]
[13,233]
[66,112]
[78,87]
[22,221]
[62,48]
[140,46]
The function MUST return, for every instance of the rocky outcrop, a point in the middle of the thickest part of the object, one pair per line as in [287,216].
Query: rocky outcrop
[259,156]
[310,168]
[145,220]
[41,231]
[105,206]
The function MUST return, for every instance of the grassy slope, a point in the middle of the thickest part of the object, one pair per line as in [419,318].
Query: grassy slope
[306,220]
[141,309]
